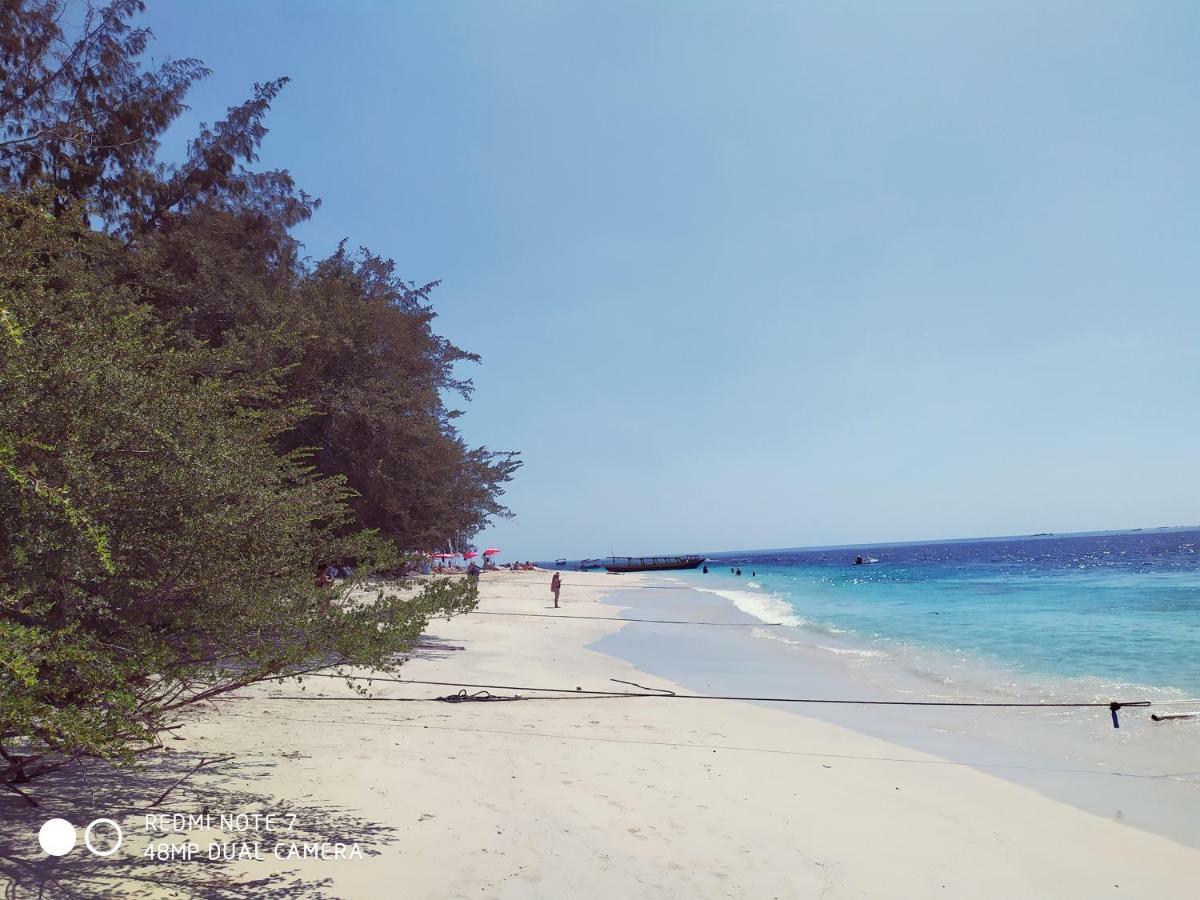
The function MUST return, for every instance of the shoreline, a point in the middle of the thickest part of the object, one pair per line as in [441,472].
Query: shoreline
[1071,756]
[630,797]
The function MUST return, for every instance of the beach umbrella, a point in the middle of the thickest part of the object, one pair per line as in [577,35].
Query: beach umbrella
[470,554]
[443,556]
[491,551]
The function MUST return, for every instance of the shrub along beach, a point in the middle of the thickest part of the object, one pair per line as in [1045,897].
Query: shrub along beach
[193,417]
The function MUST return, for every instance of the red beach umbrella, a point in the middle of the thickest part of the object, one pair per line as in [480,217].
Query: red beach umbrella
[443,556]
[470,554]
[491,551]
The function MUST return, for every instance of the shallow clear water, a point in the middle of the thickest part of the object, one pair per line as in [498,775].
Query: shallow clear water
[1121,610]
[1037,620]
[1144,774]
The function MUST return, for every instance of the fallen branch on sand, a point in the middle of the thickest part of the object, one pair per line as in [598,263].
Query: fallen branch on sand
[16,790]
[196,768]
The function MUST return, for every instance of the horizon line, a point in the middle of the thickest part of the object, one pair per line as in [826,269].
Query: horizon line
[958,540]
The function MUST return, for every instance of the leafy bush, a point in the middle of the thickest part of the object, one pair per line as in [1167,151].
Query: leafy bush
[191,415]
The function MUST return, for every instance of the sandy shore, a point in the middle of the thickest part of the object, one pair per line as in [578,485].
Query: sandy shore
[585,797]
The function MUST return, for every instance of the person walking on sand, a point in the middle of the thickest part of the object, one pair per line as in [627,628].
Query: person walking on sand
[555,587]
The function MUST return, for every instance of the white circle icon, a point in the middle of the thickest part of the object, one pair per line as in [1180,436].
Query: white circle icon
[87,837]
[57,837]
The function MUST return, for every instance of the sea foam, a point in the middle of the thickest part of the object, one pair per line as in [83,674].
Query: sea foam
[763,606]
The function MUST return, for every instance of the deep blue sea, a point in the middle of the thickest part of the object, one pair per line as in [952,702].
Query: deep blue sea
[1121,610]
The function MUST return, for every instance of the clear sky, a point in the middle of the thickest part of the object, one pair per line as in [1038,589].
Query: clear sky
[770,274]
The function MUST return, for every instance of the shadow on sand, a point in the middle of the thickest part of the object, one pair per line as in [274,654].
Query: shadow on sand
[93,790]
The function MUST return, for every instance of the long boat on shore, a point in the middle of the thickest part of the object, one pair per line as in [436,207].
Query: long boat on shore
[651,563]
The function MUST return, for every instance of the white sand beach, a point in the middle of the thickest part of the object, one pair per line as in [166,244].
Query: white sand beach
[609,797]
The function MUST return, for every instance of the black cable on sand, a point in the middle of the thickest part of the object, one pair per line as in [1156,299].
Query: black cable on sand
[1093,704]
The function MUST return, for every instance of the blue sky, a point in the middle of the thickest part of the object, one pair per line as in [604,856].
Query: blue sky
[770,274]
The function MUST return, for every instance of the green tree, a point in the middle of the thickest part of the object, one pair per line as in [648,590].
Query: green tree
[81,114]
[218,264]
[353,340]
[158,548]
[192,414]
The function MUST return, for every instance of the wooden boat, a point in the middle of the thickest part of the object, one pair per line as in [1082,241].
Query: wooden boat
[651,563]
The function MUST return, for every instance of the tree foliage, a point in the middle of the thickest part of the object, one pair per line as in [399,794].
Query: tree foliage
[352,339]
[192,414]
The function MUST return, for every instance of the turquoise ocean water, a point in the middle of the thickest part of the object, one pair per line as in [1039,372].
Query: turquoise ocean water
[1035,620]
[1117,612]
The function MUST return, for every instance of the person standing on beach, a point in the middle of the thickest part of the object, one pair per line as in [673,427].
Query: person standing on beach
[555,587]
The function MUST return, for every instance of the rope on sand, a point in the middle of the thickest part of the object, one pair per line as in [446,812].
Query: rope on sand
[477,697]
[1113,706]
[642,686]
